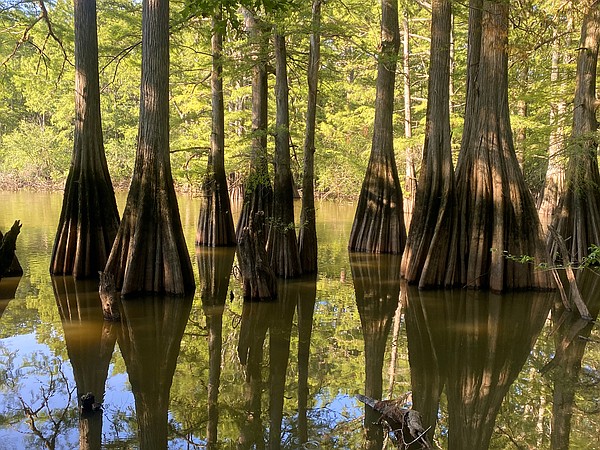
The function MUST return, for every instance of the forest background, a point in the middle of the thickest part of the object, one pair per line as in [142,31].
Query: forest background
[37,88]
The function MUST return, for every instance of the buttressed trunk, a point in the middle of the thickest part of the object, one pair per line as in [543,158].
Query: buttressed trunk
[379,220]
[498,222]
[578,216]
[150,253]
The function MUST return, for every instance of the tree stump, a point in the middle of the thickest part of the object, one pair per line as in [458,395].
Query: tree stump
[258,277]
[109,297]
[9,264]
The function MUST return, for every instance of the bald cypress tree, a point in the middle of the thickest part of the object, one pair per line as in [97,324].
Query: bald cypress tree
[150,253]
[89,218]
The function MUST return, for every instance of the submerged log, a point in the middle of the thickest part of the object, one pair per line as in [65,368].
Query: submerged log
[405,423]
[257,275]
[9,264]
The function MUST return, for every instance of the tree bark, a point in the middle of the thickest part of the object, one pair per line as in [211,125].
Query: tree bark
[282,246]
[555,174]
[410,180]
[578,214]
[429,254]
[258,195]
[379,221]
[150,253]
[215,222]
[9,264]
[89,218]
[497,222]
[307,240]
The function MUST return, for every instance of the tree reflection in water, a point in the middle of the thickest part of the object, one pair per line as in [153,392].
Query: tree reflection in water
[571,335]
[90,344]
[475,344]
[376,280]
[149,338]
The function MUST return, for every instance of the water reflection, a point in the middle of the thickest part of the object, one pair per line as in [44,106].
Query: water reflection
[214,264]
[149,338]
[90,343]
[8,289]
[475,344]
[376,280]
[571,335]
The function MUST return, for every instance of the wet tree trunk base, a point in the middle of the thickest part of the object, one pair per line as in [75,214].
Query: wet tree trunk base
[258,276]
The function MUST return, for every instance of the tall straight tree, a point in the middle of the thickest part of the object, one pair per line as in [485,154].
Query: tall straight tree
[307,241]
[497,215]
[150,253]
[89,218]
[429,250]
[215,223]
[379,220]
[282,246]
[578,216]
[258,192]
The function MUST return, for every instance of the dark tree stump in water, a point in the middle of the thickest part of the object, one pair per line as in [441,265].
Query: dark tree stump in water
[109,297]
[9,264]
[258,276]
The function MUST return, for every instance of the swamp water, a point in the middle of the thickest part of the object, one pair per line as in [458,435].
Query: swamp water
[210,371]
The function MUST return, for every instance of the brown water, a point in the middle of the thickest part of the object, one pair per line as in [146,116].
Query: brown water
[485,371]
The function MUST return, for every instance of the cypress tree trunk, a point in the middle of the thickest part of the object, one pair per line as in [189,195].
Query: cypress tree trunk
[429,252]
[258,195]
[307,240]
[578,215]
[282,246]
[555,174]
[410,177]
[150,253]
[497,215]
[215,223]
[89,217]
[379,223]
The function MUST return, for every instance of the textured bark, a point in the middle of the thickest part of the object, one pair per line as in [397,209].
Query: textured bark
[258,192]
[429,254]
[149,339]
[215,270]
[555,174]
[90,343]
[497,215]
[282,246]
[150,253]
[378,225]
[89,217]
[258,278]
[307,239]
[578,215]
[377,288]
[215,222]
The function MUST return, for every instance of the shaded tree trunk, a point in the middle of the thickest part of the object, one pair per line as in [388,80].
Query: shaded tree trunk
[150,253]
[578,214]
[307,240]
[9,264]
[282,246]
[89,217]
[497,215]
[429,252]
[378,225]
[258,193]
[215,223]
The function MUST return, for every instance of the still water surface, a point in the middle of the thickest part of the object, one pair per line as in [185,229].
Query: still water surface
[210,371]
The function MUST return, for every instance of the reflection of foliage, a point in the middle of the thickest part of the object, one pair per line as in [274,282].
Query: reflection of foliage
[47,410]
